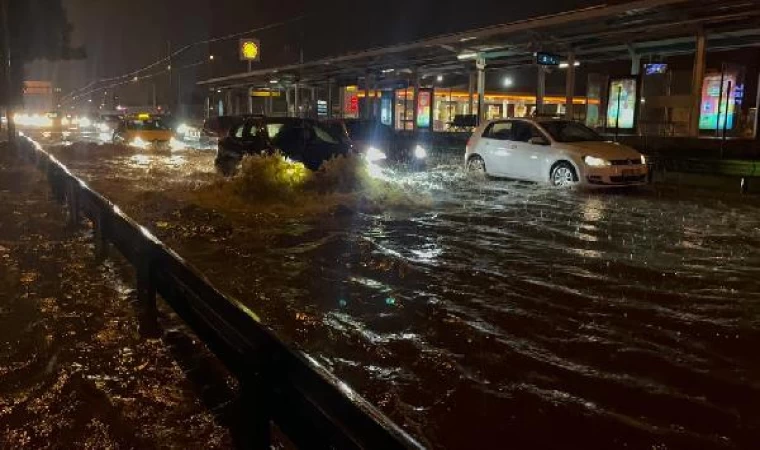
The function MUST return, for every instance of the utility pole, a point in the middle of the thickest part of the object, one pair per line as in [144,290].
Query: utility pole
[7,73]
[169,92]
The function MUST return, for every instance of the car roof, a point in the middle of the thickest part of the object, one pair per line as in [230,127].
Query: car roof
[536,120]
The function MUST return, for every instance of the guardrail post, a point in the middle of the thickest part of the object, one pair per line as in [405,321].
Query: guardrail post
[72,197]
[101,243]
[146,297]
[55,184]
[254,400]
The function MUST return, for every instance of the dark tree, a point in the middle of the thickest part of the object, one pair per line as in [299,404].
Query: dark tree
[38,29]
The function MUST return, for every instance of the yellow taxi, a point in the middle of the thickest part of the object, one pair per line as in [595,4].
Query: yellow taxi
[144,131]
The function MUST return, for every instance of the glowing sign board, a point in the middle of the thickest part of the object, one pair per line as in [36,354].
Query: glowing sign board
[622,103]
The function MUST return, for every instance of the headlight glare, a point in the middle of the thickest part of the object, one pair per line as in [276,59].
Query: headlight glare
[420,152]
[375,155]
[139,143]
[596,162]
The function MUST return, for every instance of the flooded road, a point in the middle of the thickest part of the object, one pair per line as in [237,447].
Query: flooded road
[488,314]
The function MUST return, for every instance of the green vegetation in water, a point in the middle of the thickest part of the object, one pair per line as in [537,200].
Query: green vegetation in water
[278,185]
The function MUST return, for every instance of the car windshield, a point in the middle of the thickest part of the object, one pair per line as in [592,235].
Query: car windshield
[566,131]
[147,125]
[325,135]
[363,130]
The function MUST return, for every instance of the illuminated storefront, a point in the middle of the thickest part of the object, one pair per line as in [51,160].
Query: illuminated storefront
[398,110]
[449,103]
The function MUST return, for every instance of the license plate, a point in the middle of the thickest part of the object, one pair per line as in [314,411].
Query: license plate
[630,172]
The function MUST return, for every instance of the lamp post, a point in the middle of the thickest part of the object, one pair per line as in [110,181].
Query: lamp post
[7,66]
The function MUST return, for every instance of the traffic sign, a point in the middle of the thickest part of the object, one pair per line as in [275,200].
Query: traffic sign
[250,50]
[547,59]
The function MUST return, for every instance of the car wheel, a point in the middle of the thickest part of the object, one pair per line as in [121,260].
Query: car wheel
[476,165]
[563,174]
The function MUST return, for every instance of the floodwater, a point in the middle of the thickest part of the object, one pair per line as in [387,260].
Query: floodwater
[74,372]
[495,314]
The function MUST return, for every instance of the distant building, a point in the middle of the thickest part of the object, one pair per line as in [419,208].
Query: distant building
[39,96]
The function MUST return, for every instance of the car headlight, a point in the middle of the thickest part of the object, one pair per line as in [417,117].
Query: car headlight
[643,159]
[375,155]
[183,129]
[420,152]
[596,162]
[139,143]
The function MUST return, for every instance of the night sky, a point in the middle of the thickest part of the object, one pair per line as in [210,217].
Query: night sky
[121,36]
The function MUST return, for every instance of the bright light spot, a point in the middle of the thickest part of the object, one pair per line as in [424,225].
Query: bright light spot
[140,160]
[105,137]
[467,55]
[140,143]
[84,122]
[274,81]
[65,122]
[388,70]
[564,65]
[375,171]
[420,152]
[439,78]
[596,162]
[183,129]
[374,155]
[507,82]
[103,128]
[176,144]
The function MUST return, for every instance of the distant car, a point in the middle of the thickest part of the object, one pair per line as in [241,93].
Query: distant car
[302,140]
[558,152]
[107,123]
[379,143]
[144,131]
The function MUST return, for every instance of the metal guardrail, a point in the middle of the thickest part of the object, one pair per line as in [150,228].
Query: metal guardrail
[312,407]
[724,167]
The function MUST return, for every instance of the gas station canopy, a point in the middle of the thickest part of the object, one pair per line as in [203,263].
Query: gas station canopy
[600,33]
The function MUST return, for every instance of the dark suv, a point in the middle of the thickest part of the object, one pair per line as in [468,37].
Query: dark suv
[302,140]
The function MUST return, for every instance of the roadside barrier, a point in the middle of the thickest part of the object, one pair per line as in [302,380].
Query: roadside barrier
[279,385]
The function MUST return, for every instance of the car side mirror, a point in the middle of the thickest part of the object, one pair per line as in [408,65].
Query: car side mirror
[539,140]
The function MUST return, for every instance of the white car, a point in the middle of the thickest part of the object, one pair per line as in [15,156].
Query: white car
[560,152]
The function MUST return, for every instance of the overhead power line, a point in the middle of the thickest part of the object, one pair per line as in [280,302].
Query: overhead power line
[130,75]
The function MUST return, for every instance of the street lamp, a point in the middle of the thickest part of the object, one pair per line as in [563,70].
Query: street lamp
[507,82]
[210,57]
